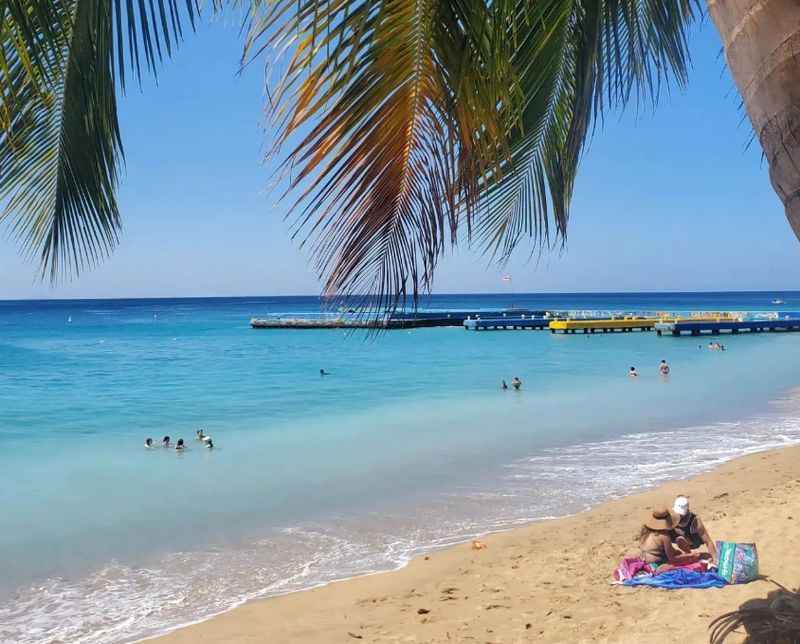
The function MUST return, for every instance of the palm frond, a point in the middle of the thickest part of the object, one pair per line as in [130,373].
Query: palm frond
[575,59]
[408,120]
[62,63]
[394,111]
[60,154]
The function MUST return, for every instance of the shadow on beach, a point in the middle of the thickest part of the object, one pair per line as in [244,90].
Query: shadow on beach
[774,619]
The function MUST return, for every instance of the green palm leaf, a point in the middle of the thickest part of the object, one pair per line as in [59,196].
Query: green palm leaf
[395,108]
[60,144]
[407,120]
[574,59]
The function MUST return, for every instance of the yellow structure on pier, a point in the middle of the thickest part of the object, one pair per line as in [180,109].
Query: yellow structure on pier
[603,325]
[631,323]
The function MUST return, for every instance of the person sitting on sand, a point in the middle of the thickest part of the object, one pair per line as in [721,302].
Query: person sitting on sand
[690,533]
[516,383]
[148,443]
[165,441]
[179,445]
[633,373]
[503,385]
[655,541]
[663,368]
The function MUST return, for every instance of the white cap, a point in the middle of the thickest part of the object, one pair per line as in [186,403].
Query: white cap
[681,505]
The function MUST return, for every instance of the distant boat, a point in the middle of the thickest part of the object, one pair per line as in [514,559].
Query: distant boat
[778,302]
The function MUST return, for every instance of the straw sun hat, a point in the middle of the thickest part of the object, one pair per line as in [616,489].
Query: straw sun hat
[661,519]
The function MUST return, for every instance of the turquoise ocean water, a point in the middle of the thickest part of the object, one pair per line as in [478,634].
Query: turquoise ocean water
[409,443]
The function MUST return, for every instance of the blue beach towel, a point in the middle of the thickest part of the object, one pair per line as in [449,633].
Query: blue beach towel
[679,579]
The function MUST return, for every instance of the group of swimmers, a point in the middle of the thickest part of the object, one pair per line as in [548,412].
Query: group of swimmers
[180,445]
[669,538]
[663,369]
[516,383]
[713,346]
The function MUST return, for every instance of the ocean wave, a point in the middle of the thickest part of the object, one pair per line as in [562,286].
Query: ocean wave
[123,603]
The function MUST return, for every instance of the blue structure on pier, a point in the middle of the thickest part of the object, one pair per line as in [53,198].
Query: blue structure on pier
[710,327]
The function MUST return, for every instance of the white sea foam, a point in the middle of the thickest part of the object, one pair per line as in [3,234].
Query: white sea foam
[121,603]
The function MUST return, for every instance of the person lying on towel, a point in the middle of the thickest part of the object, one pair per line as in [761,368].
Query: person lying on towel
[690,533]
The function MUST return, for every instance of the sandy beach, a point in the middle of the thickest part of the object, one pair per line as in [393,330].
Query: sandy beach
[546,582]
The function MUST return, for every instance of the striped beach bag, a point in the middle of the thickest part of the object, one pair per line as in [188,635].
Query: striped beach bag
[737,562]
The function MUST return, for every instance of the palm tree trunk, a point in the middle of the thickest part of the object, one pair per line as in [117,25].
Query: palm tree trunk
[762,47]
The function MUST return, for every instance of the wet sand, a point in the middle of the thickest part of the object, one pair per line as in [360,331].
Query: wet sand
[546,582]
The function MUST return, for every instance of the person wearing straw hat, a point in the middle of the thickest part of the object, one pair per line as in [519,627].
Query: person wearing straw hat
[655,540]
[690,533]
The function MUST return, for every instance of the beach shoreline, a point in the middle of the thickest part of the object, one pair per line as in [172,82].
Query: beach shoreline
[546,581]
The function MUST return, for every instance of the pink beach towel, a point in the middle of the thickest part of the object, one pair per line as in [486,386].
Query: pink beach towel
[629,567]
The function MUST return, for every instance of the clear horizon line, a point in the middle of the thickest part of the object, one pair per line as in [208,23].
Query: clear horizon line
[421,297]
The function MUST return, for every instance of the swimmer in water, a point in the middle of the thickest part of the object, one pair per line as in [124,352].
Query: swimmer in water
[663,368]
[322,372]
[210,444]
[503,386]
[633,373]
[199,435]
[148,443]
[516,383]
[165,441]
[179,445]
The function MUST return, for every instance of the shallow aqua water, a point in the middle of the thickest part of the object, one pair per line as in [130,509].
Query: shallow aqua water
[408,444]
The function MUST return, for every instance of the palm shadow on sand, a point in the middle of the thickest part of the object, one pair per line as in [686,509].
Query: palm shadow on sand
[774,619]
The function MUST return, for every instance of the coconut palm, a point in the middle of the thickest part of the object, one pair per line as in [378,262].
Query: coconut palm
[402,125]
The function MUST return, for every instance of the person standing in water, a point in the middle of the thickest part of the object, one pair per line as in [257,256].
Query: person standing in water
[633,373]
[516,383]
[663,368]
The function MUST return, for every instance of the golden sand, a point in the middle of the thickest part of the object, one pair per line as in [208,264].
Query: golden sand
[546,582]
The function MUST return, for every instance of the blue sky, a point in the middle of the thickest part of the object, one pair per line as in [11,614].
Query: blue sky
[666,200]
